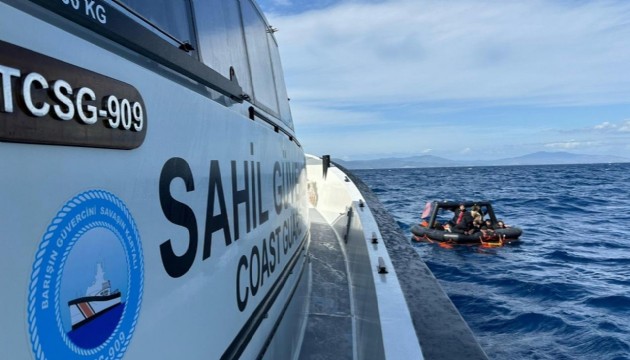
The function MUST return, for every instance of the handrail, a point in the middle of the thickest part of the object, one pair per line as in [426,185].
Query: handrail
[254,113]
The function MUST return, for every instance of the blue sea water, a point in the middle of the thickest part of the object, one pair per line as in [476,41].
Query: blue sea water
[563,292]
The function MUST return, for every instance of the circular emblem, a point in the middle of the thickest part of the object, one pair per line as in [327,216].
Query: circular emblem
[87,281]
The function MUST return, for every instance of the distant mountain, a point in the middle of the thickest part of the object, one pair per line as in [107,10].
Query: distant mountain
[560,157]
[538,158]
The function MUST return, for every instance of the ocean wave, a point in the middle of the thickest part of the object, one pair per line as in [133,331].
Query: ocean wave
[567,256]
[529,322]
[559,294]
[543,291]
[404,226]
[612,346]
[608,326]
[614,303]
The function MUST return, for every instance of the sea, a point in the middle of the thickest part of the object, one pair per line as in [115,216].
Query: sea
[563,291]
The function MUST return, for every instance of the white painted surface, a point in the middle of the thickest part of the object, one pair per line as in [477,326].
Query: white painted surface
[335,195]
[195,316]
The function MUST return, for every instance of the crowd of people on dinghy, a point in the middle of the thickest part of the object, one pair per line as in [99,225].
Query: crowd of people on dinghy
[471,222]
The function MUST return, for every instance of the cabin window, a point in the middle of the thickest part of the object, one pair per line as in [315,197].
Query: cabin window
[221,39]
[171,18]
[259,58]
[283,100]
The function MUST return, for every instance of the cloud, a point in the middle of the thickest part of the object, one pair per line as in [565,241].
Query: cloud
[426,151]
[535,52]
[503,77]
[605,126]
[327,116]
[571,144]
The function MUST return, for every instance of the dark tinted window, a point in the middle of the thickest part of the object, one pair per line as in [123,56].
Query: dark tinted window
[283,101]
[259,58]
[172,17]
[221,39]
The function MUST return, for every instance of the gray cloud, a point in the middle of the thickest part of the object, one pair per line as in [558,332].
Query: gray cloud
[625,126]
[534,52]
[571,144]
[385,75]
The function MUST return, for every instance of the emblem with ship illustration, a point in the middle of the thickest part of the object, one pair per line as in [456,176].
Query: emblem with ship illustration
[95,315]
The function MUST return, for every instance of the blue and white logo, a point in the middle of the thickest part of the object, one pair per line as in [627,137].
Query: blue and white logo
[86,286]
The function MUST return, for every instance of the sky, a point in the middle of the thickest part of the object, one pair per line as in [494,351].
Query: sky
[461,79]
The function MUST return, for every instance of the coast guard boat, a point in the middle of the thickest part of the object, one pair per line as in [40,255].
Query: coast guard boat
[156,136]
[96,302]
[87,308]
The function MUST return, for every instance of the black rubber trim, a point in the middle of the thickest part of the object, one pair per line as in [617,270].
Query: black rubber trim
[242,339]
[253,113]
[279,320]
[94,298]
[131,34]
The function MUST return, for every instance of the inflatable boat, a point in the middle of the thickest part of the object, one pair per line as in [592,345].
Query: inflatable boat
[438,225]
